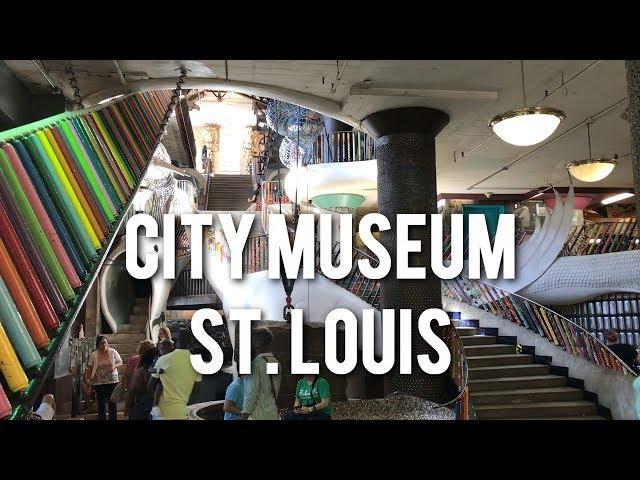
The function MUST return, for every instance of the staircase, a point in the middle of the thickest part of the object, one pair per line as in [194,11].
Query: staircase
[505,384]
[129,335]
[229,192]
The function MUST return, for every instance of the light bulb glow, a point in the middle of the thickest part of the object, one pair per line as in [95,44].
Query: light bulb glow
[526,126]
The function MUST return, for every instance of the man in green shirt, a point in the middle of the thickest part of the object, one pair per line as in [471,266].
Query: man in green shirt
[178,377]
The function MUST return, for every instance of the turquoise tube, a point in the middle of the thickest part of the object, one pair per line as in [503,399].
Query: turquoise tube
[16,331]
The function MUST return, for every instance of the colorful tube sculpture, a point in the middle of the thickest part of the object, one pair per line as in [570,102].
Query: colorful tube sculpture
[64,184]
[5,405]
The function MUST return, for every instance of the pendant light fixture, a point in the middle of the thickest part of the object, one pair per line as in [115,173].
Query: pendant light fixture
[592,169]
[527,125]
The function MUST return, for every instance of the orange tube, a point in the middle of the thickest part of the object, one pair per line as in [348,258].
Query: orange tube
[10,366]
[21,299]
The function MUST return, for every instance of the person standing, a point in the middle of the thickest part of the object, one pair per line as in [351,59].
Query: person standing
[178,379]
[234,400]
[102,374]
[139,397]
[261,389]
[627,353]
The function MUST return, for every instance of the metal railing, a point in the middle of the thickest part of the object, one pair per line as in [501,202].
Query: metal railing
[185,286]
[204,199]
[350,146]
[612,235]
[557,329]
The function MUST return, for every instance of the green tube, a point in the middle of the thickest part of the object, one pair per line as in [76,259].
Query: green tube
[53,264]
[63,203]
[92,175]
[16,331]
[122,164]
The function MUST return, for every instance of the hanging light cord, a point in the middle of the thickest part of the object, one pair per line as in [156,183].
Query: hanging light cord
[589,138]
[524,93]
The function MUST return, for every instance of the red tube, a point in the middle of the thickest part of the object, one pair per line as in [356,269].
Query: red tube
[21,299]
[42,215]
[5,406]
[42,303]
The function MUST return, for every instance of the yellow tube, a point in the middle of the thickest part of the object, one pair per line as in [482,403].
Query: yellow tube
[10,366]
[67,187]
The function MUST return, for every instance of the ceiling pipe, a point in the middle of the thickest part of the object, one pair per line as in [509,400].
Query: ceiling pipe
[313,102]
[590,119]
[55,88]
[547,95]
[123,81]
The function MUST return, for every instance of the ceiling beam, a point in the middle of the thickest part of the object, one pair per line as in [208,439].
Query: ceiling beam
[319,104]
[432,93]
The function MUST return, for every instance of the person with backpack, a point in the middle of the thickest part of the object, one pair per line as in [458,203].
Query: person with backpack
[260,388]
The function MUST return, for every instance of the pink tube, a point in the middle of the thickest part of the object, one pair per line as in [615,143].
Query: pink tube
[5,406]
[43,217]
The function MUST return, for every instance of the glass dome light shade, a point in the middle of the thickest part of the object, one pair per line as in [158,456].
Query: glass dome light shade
[526,126]
[592,170]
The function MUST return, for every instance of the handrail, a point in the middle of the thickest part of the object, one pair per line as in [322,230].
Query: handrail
[207,170]
[557,329]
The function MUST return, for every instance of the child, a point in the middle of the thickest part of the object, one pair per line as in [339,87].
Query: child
[234,400]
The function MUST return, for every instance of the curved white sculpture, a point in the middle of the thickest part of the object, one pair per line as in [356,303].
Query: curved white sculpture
[536,255]
[577,279]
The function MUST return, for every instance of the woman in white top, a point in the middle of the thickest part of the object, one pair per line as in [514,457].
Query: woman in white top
[102,373]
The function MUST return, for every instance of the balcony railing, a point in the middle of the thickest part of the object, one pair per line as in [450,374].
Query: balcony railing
[557,329]
[352,146]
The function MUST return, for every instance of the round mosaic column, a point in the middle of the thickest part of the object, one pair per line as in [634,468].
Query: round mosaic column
[633,90]
[406,154]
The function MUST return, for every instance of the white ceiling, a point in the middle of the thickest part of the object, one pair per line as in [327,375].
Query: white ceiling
[470,91]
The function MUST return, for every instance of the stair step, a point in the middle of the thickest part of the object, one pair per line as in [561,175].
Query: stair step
[527,395]
[143,301]
[125,337]
[536,410]
[140,309]
[138,319]
[139,328]
[516,383]
[491,349]
[508,371]
[470,340]
[466,331]
[495,360]
[125,348]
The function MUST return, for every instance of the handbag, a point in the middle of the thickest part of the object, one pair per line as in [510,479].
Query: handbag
[119,393]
